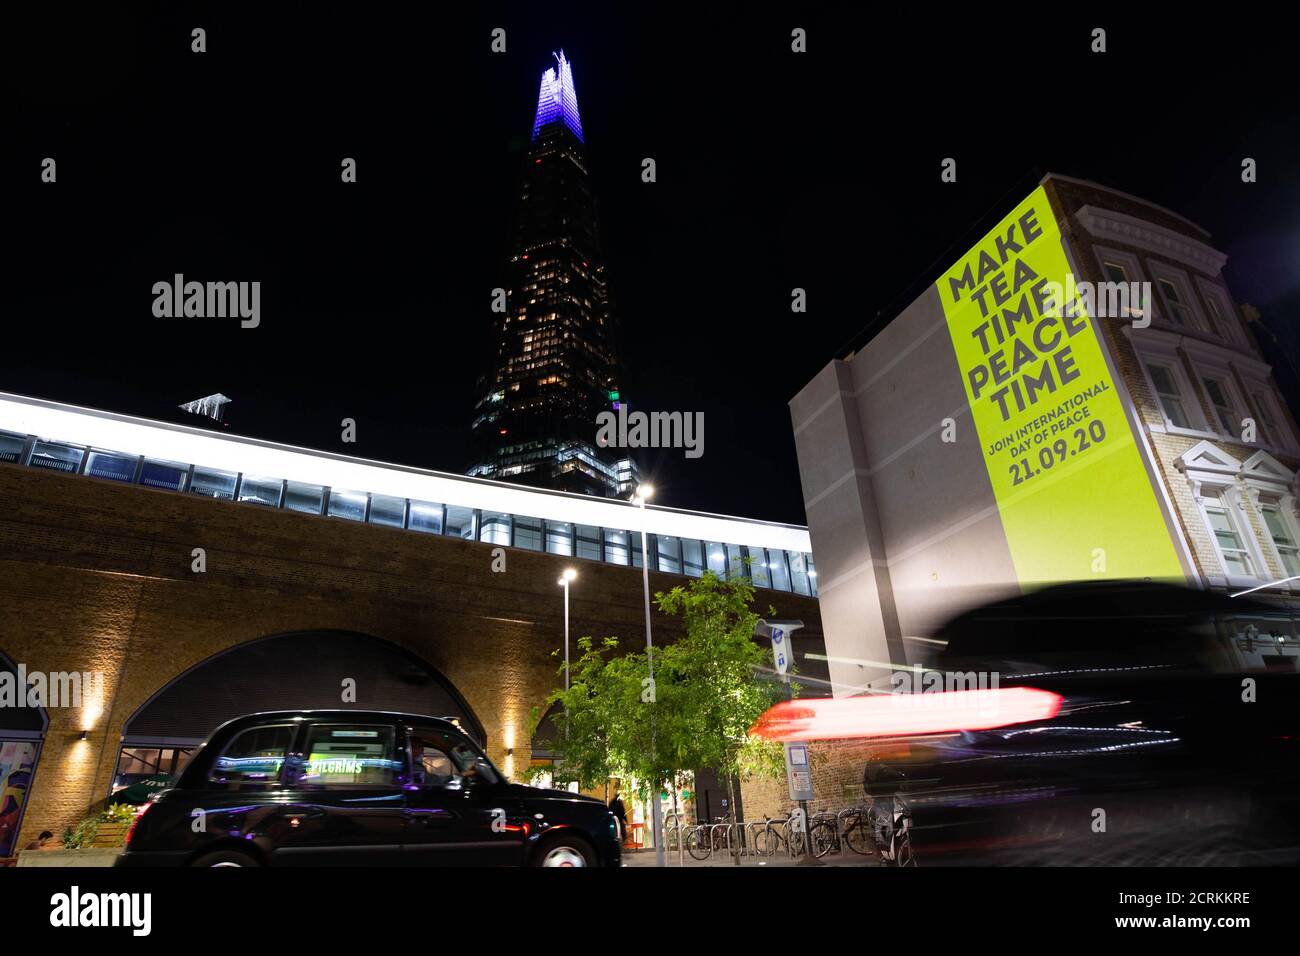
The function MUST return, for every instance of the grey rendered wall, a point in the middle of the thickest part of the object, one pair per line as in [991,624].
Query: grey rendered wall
[904,526]
[852,575]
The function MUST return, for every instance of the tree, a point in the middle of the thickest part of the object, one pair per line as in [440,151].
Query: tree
[714,669]
[582,718]
[706,694]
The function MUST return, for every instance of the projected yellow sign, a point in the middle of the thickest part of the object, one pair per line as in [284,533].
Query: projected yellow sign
[1072,491]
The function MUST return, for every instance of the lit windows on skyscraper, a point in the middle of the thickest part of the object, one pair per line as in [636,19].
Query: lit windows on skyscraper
[555,365]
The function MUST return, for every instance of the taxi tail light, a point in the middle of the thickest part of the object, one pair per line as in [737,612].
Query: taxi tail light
[905,715]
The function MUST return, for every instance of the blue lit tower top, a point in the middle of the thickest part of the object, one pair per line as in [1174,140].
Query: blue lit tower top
[557,100]
[554,366]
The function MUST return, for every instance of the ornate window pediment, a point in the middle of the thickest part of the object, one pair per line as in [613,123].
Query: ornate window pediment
[1265,467]
[1204,463]
[1262,474]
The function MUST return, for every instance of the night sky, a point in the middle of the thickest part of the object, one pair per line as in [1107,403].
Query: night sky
[775,170]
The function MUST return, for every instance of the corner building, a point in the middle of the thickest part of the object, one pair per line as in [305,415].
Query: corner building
[914,516]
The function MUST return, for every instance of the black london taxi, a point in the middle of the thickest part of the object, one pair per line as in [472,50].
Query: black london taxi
[369,788]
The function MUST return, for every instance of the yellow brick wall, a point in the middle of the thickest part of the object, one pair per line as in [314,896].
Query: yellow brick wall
[95,576]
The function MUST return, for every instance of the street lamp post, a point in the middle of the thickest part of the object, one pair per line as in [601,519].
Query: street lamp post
[568,575]
[657,819]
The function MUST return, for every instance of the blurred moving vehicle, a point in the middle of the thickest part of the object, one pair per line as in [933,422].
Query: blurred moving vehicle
[1176,742]
[313,788]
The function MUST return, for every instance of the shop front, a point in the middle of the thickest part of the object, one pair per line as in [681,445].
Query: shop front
[22,728]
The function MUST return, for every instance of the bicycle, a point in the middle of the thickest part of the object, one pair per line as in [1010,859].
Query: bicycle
[881,830]
[857,829]
[894,834]
[824,834]
[705,839]
[776,834]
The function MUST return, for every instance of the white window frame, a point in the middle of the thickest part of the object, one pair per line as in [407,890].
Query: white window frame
[1210,291]
[1227,499]
[1185,397]
[1238,409]
[1285,505]
[1130,263]
[1215,362]
[1180,280]
[1155,347]
[1279,432]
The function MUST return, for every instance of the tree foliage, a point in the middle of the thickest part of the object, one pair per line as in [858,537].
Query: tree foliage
[709,688]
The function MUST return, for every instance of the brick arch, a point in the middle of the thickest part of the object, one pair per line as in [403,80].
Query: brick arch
[35,719]
[192,701]
[97,576]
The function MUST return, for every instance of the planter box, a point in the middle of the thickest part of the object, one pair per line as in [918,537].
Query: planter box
[109,835]
[90,857]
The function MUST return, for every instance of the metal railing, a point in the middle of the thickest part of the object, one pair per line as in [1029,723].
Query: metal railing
[753,838]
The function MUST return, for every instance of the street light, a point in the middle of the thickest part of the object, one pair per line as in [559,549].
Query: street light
[643,494]
[568,575]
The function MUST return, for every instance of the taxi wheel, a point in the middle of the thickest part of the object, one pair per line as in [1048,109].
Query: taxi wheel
[565,850]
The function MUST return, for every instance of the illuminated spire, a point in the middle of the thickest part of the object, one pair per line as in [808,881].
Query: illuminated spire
[557,100]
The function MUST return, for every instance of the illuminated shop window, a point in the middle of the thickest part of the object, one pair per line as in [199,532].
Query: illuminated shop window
[716,557]
[670,553]
[425,517]
[460,522]
[589,542]
[163,474]
[798,572]
[56,457]
[736,562]
[347,504]
[616,546]
[559,538]
[528,533]
[114,467]
[692,558]
[387,511]
[11,447]
[304,498]
[261,491]
[495,528]
[780,570]
[211,483]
